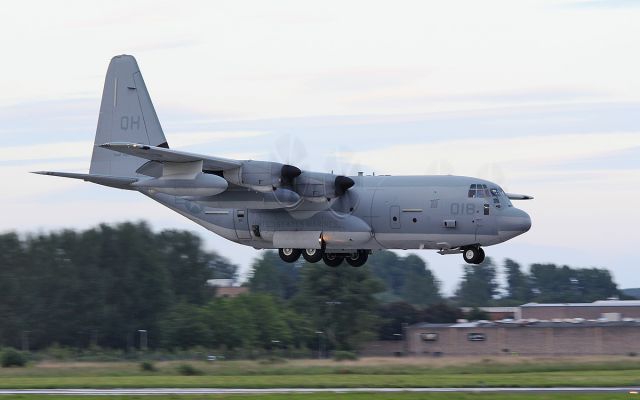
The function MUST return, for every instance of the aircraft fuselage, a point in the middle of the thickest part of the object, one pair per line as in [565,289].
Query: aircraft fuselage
[378,212]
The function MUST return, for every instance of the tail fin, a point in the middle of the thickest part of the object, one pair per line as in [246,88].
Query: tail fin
[126,115]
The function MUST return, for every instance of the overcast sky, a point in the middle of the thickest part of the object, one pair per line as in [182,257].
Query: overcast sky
[542,97]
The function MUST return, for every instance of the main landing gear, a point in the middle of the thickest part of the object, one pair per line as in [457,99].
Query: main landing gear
[473,254]
[356,259]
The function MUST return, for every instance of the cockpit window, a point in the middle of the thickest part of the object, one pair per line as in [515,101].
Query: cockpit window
[499,196]
[479,191]
[494,194]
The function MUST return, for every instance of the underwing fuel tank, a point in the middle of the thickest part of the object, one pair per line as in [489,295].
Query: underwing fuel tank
[201,185]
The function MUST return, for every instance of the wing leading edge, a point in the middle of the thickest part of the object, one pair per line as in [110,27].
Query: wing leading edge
[161,154]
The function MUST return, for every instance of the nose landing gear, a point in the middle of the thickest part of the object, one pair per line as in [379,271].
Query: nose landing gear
[473,255]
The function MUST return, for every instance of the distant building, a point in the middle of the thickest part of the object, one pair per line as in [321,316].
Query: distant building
[607,327]
[226,288]
[607,309]
[524,338]
[231,292]
[497,313]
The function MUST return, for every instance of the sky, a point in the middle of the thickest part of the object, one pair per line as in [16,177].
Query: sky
[542,97]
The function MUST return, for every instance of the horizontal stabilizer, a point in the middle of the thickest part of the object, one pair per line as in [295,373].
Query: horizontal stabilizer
[106,180]
[513,196]
[161,154]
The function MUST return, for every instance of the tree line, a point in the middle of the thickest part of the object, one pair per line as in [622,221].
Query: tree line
[106,286]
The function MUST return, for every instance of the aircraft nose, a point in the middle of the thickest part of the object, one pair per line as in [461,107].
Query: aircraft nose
[514,223]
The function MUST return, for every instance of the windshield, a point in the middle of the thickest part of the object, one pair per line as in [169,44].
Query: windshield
[479,191]
[494,195]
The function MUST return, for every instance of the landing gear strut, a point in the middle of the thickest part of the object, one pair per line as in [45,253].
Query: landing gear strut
[473,255]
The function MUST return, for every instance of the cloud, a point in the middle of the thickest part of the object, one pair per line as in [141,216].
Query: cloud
[187,139]
[515,155]
[59,150]
[602,4]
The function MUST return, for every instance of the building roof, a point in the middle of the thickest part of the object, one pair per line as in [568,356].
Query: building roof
[600,303]
[231,291]
[531,324]
[493,309]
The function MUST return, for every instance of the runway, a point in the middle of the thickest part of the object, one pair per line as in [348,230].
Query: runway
[184,392]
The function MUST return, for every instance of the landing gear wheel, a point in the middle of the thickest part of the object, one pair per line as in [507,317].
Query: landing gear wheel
[332,259]
[480,259]
[473,255]
[289,255]
[357,259]
[312,255]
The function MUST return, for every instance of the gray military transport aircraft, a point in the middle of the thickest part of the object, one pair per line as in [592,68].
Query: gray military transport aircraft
[268,205]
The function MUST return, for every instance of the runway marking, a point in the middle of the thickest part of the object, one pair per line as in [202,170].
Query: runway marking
[182,392]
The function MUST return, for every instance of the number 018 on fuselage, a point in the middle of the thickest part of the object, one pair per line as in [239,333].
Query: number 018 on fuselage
[269,205]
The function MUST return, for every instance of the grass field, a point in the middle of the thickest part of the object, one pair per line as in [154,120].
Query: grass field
[359,396]
[392,373]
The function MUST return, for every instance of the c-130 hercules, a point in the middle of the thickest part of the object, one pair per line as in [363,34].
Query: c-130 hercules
[269,205]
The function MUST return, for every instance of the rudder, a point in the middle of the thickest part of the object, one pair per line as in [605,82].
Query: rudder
[126,115]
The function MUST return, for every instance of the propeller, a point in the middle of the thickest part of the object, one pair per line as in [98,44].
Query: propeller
[342,184]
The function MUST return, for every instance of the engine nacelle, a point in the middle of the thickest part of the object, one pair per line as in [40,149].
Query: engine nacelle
[315,186]
[262,176]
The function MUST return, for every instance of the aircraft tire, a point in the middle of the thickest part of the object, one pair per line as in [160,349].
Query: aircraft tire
[481,256]
[361,258]
[332,260]
[312,255]
[289,255]
[470,254]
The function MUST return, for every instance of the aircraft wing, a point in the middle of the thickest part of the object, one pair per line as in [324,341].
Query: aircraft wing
[106,180]
[161,154]
[514,196]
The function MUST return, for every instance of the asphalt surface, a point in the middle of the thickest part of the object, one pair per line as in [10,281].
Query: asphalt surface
[179,392]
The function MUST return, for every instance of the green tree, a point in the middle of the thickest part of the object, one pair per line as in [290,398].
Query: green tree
[99,286]
[478,286]
[340,302]
[519,289]
[477,314]
[231,323]
[12,260]
[393,317]
[272,275]
[564,284]
[406,279]
[272,330]
[441,313]
[420,286]
[187,264]
[184,326]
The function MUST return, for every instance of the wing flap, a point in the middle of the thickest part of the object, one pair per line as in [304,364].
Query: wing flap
[161,154]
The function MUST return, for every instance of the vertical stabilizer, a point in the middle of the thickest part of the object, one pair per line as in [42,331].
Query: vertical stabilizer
[126,115]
